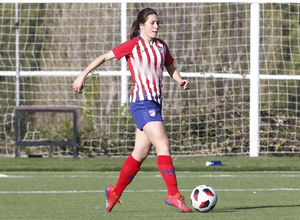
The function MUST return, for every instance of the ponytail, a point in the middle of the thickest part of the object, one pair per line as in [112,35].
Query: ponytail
[135,29]
[141,19]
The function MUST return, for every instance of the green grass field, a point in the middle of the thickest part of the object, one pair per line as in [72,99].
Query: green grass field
[57,189]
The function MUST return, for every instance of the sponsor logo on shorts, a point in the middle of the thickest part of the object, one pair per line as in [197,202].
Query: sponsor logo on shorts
[152,112]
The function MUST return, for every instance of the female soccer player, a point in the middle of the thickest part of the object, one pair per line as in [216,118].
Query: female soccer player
[146,57]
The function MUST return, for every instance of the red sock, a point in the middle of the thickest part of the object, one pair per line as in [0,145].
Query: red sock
[130,167]
[166,168]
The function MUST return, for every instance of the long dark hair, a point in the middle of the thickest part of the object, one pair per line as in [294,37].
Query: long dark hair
[141,19]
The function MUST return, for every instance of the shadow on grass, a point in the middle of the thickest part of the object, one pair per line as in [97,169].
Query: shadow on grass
[267,207]
[226,210]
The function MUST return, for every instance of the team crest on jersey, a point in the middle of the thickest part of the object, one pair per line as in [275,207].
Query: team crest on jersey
[152,112]
[161,49]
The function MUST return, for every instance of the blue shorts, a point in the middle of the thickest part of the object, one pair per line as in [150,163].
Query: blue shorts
[144,112]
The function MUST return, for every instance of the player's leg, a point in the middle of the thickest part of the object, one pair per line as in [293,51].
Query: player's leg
[157,135]
[129,169]
[142,145]
[132,164]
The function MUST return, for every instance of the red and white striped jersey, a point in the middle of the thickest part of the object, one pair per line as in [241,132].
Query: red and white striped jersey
[146,63]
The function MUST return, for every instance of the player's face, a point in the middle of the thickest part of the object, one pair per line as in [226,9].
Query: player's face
[149,29]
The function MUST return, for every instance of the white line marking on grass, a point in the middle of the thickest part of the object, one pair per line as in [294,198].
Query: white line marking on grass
[147,172]
[51,192]
[7,176]
[205,176]
[244,190]
[3,176]
[116,176]
[141,191]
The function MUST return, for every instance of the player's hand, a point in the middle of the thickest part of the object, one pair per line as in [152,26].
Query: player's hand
[185,84]
[78,84]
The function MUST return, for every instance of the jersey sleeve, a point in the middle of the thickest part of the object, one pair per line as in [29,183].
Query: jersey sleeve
[168,57]
[124,49]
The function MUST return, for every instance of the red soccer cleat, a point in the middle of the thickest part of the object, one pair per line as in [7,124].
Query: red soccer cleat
[177,202]
[111,198]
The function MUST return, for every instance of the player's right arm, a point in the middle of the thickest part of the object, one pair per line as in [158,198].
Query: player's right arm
[79,83]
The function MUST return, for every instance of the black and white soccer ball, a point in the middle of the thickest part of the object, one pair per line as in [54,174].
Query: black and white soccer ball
[204,198]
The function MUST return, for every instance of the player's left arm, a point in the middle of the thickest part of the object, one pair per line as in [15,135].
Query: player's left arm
[174,73]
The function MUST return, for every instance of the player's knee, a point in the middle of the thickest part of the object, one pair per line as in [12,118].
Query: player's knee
[163,148]
[140,155]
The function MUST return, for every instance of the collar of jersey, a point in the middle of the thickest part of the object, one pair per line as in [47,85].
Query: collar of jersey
[139,36]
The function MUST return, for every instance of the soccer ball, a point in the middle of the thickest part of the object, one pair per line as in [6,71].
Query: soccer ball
[204,198]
